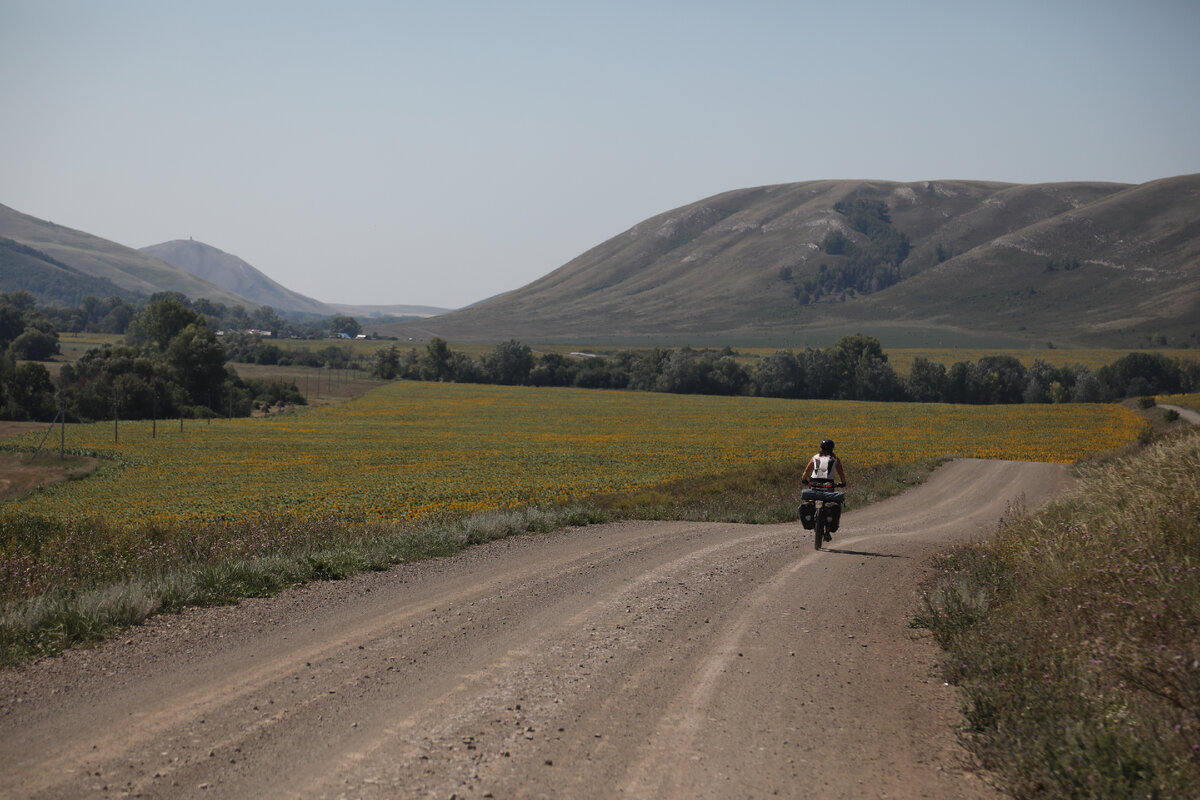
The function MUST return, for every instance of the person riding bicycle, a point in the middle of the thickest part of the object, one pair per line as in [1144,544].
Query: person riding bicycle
[823,472]
[822,466]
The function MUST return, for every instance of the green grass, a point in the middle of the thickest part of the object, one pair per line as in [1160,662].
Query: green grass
[1075,633]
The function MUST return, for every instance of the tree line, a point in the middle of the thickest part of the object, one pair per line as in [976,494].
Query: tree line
[171,364]
[854,368]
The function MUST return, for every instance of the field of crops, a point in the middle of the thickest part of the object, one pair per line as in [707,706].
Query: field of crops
[408,450]
[902,359]
[1186,400]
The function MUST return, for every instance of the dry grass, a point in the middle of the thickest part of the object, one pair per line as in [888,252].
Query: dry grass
[1075,634]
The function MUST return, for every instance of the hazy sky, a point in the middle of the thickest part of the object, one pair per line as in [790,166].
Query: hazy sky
[441,152]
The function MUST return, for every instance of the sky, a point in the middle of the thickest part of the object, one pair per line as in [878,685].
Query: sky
[438,153]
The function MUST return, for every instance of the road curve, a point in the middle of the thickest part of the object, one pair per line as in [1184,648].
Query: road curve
[663,660]
[1187,413]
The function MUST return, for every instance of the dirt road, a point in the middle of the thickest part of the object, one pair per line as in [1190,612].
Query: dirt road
[634,659]
[1187,413]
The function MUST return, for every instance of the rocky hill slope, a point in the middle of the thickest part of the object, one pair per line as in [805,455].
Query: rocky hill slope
[951,262]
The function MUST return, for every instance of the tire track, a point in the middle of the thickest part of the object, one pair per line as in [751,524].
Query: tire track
[634,659]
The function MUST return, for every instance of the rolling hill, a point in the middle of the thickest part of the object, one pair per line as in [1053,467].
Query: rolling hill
[130,271]
[950,262]
[25,269]
[234,274]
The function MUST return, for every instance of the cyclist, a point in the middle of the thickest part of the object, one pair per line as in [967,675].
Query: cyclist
[822,466]
[820,474]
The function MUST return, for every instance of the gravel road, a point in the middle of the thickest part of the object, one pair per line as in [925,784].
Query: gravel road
[645,659]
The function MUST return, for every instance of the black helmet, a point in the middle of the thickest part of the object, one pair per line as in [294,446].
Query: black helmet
[827,445]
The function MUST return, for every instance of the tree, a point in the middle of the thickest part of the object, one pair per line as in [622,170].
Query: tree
[1004,377]
[34,345]
[874,379]
[436,362]
[555,369]
[265,318]
[853,357]
[1087,388]
[1140,374]
[927,380]
[160,322]
[728,377]
[385,364]
[118,319]
[509,363]
[342,325]
[779,375]
[1039,379]
[12,324]
[29,393]
[197,362]
[644,367]
[836,243]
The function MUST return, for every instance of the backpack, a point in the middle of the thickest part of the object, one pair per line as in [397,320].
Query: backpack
[823,467]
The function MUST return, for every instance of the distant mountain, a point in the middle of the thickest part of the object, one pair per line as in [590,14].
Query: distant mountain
[376,312]
[131,271]
[950,262]
[234,274]
[237,276]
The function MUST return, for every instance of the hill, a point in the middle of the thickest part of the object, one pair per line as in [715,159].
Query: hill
[24,269]
[378,312]
[61,266]
[951,262]
[236,275]
[124,267]
[232,273]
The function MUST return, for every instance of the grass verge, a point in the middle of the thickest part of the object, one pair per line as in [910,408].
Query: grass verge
[1074,633]
[69,583]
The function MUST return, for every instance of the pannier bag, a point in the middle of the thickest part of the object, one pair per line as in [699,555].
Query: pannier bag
[808,516]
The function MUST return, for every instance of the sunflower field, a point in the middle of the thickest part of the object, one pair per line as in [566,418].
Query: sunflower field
[408,450]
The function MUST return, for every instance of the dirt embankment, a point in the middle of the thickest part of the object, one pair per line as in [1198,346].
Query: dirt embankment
[634,659]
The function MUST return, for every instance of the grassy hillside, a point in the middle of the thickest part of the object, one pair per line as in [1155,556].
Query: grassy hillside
[1124,269]
[24,269]
[234,274]
[943,262]
[100,258]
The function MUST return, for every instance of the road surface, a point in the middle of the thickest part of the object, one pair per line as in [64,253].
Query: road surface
[642,659]
[1187,413]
